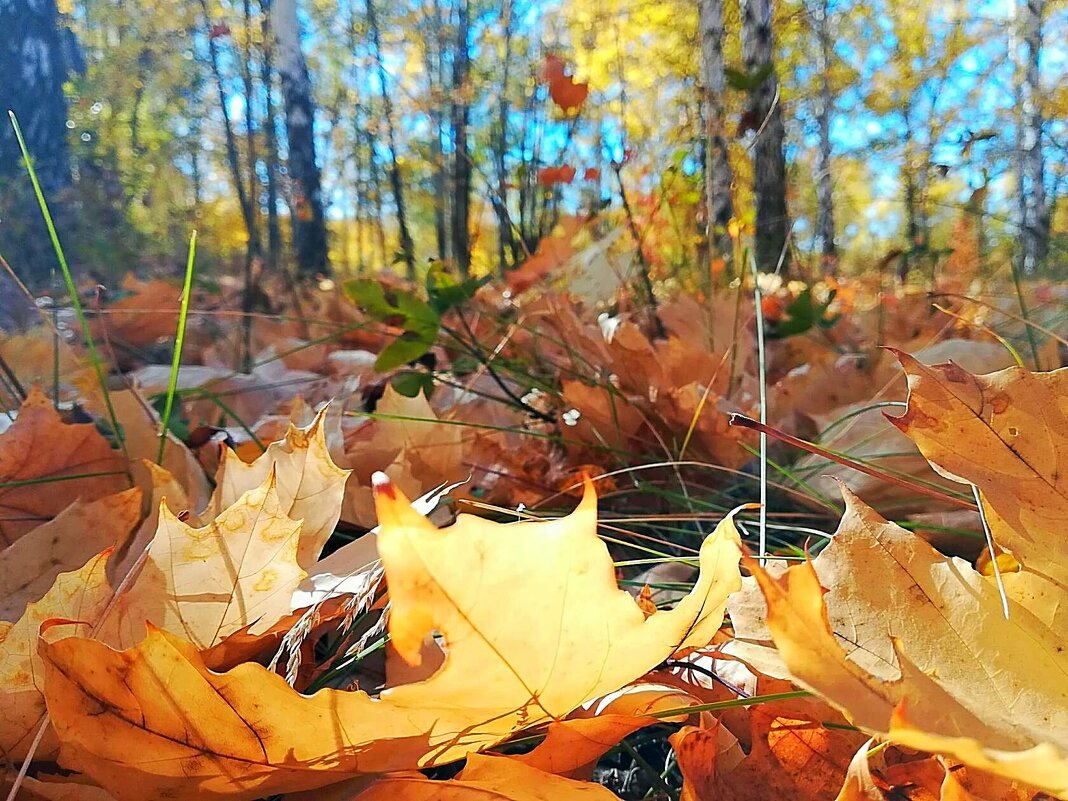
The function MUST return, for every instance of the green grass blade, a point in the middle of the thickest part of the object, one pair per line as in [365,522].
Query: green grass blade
[94,356]
[179,340]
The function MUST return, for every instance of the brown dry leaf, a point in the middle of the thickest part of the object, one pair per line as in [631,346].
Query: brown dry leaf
[572,747]
[929,779]
[605,416]
[309,486]
[791,754]
[408,444]
[30,567]
[552,253]
[54,788]
[534,625]
[140,428]
[1006,433]
[147,313]
[913,645]
[486,778]
[78,595]
[207,583]
[39,445]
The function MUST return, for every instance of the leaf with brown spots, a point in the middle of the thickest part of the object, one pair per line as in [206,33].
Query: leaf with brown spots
[1006,433]
[45,464]
[205,583]
[308,485]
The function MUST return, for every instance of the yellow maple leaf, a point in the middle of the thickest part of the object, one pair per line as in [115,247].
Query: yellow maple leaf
[309,485]
[1006,433]
[77,595]
[533,624]
[913,645]
[205,583]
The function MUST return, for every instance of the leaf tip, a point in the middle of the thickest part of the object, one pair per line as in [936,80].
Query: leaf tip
[383,486]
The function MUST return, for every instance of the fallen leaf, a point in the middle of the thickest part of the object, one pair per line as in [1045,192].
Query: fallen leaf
[309,486]
[77,595]
[45,464]
[791,754]
[533,623]
[911,645]
[1006,433]
[206,583]
[486,778]
[30,567]
[572,747]
[570,634]
[54,788]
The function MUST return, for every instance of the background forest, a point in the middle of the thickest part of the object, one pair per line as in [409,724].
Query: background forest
[348,137]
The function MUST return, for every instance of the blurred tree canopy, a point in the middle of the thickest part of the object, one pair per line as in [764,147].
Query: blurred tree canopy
[318,137]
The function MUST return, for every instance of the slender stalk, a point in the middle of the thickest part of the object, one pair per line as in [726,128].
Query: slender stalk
[746,422]
[179,341]
[72,290]
[763,379]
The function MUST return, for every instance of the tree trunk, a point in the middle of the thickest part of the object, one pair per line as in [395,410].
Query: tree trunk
[233,158]
[435,70]
[505,234]
[397,184]
[250,115]
[461,113]
[270,123]
[34,64]
[718,176]
[309,223]
[825,229]
[1034,214]
[769,161]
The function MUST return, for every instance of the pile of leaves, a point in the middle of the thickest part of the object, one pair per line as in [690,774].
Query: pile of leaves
[246,604]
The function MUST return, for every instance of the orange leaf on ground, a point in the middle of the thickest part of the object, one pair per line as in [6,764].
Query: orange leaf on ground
[573,746]
[911,645]
[40,446]
[1006,433]
[29,568]
[79,595]
[486,778]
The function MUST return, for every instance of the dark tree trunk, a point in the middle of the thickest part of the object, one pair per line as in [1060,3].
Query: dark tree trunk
[270,140]
[233,158]
[718,177]
[505,235]
[1034,213]
[395,180]
[435,68]
[769,161]
[825,229]
[35,58]
[461,114]
[309,222]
